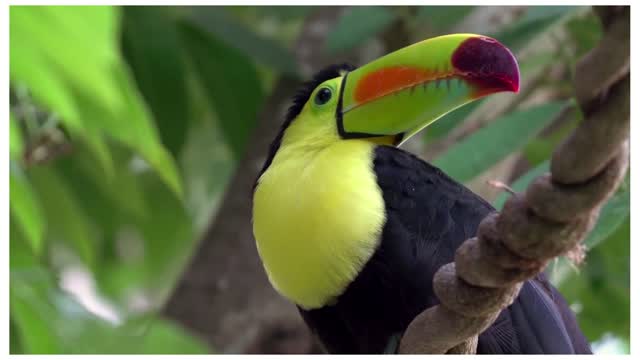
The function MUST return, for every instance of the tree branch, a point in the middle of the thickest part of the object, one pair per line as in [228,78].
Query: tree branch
[550,218]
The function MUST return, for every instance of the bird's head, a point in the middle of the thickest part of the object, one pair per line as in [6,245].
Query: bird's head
[393,97]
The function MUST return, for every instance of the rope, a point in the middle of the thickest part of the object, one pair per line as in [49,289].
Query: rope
[550,218]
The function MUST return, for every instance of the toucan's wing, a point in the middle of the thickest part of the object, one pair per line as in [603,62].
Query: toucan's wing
[538,322]
[437,214]
[579,341]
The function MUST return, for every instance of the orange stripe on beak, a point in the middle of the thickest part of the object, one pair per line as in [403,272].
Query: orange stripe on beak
[388,80]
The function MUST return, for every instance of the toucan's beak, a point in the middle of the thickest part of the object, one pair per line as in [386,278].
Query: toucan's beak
[402,92]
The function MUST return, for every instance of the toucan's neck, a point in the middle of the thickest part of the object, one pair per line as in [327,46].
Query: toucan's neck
[317,215]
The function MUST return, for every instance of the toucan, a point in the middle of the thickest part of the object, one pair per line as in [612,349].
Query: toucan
[351,228]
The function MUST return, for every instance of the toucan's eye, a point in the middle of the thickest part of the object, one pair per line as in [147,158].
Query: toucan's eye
[323,96]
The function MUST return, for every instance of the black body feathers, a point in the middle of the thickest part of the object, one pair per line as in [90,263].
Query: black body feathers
[428,216]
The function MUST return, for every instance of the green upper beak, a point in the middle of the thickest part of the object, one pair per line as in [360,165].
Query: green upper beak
[403,92]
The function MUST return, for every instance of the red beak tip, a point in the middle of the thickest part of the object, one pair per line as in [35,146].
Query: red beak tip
[511,84]
[488,64]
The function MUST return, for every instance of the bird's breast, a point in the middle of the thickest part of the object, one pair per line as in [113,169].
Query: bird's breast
[317,219]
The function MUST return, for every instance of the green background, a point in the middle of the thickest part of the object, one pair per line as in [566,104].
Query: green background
[127,125]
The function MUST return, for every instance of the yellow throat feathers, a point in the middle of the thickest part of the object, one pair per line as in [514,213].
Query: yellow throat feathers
[317,217]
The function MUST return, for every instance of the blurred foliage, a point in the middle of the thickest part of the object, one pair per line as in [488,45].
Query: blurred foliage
[127,123]
[441,18]
[266,51]
[463,161]
[351,30]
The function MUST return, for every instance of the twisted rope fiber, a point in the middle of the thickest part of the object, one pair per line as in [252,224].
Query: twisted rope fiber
[550,218]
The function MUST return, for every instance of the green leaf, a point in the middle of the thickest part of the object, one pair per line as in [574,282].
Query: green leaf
[521,184]
[537,13]
[29,286]
[166,235]
[541,148]
[50,74]
[489,145]
[112,205]
[96,143]
[50,321]
[67,222]
[139,228]
[285,13]
[232,84]
[132,125]
[15,344]
[535,20]
[123,193]
[358,25]
[160,336]
[536,62]
[83,33]
[450,121]
[16,145]
[207,165]
[585,32]
[21,252]
[29,67]
[152,47]
[443,17]
[615,212]
[28,307]
[25,207]
[87,84]
[220,26]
